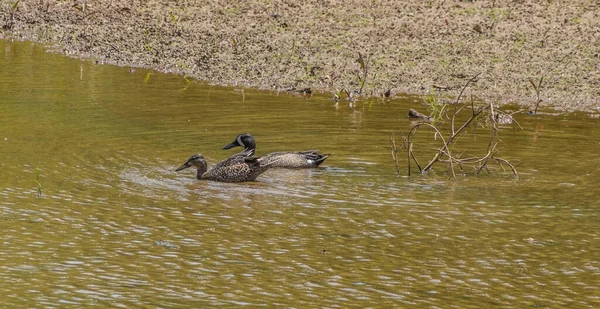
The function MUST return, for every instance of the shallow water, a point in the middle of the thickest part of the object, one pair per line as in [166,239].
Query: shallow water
[115,226]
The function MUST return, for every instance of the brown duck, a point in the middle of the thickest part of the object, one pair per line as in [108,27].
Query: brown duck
[238,168]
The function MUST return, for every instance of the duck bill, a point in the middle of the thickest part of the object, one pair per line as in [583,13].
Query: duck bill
[184,166]
[233,144]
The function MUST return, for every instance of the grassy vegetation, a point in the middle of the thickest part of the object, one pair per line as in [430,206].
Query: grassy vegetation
[366,48]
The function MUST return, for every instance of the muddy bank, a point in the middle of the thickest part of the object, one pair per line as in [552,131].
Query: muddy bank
[411,46]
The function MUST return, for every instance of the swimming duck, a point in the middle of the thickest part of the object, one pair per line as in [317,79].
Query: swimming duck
[287,159]
[238,168]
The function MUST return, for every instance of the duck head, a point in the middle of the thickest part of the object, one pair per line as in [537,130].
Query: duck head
[197,161]
[245,140]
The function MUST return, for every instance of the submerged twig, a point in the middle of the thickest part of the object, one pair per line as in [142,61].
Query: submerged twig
[395,151]
[593,169]
[37,182]
[512,167]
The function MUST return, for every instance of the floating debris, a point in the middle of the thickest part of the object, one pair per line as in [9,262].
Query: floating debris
[503,118]
[414,114]
[166,244]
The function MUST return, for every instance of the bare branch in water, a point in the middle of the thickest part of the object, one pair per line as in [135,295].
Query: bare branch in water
[395,151]
[512,167]
[537,87]
[447,141]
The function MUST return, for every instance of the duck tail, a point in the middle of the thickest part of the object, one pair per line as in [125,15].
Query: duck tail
[322,158]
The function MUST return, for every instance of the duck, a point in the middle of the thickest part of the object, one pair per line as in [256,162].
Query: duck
[241,167]
[285,159]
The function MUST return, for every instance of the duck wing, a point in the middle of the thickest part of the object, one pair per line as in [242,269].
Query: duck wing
[296,159]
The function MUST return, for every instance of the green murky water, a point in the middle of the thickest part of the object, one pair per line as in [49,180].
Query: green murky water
[115,226]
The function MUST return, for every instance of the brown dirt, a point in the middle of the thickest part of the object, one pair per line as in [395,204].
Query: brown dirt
[413,46]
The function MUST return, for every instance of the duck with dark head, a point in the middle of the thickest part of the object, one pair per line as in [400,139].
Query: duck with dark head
[286,159]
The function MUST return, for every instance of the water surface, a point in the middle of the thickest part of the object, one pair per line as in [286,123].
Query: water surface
[115,226]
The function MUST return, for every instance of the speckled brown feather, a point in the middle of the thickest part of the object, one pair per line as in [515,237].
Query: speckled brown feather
[238,168]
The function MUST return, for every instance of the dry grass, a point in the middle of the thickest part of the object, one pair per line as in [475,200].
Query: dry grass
[412,46]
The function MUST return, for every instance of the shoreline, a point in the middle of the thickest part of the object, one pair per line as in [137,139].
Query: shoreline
[406,47]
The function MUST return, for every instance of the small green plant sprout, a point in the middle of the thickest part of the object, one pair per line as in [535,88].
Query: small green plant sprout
[83,8]
[174,19]
[147,43]
[15,6]
[188,82]
[437,108]
[363,65]
[338,94]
